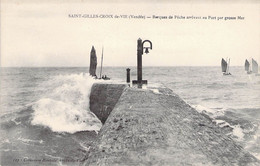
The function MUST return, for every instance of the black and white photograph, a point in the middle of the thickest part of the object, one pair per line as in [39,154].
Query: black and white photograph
[129,83]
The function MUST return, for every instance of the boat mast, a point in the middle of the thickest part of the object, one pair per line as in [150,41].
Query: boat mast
[101,62]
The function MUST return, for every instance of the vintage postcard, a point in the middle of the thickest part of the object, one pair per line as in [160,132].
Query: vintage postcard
[129,82]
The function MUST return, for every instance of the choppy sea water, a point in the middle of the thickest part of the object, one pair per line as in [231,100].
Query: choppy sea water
[45,111]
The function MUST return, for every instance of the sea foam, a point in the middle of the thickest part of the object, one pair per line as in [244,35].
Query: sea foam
[208,111]
[66,106]
[237,131]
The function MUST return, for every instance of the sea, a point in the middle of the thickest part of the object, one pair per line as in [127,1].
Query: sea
[45,117]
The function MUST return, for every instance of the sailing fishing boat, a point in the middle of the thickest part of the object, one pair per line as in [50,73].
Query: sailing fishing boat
[225,67]
[251,67]
[254,66]
[247,67]
[104,77]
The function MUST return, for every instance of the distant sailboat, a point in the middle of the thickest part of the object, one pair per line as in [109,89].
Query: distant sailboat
[254,66]
[251,67]
[225,67]
[247,65]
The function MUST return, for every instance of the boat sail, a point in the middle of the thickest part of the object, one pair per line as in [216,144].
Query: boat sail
[251,67]
[247,65]
[225,67]
[254,66]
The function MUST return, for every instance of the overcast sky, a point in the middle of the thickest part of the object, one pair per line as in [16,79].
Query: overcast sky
[41,33]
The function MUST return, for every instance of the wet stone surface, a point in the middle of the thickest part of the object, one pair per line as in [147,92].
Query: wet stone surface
[147,128]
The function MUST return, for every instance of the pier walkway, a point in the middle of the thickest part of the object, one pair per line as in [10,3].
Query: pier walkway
[149,127]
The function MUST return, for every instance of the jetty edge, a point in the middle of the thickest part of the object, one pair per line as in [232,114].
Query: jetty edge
[156,127]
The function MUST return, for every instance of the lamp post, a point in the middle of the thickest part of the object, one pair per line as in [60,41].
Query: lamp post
[140,48]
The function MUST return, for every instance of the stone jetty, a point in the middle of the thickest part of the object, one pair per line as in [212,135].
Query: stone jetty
[156,127]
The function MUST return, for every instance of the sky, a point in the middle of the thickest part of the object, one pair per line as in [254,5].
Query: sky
[42,34]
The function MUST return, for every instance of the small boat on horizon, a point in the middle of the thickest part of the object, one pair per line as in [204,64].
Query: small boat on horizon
[251,67]
[104,77]
[225,67]
[247,65]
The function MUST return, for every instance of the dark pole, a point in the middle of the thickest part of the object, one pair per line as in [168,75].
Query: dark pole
[128,75]
[139,59]
[101,62]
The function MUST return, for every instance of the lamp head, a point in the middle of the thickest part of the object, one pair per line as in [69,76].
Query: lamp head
[146,50]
